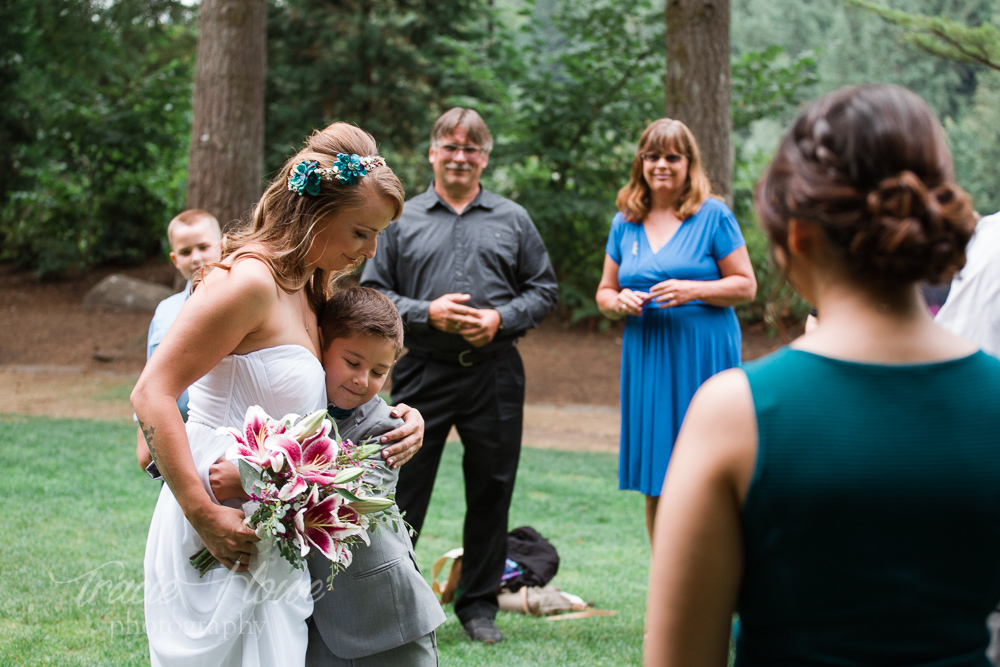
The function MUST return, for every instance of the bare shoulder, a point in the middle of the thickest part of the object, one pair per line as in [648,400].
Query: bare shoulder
[247,278]
[954,345]
[720,428]
[725,400]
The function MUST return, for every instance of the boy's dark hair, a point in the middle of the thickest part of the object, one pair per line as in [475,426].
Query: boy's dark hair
[351,311]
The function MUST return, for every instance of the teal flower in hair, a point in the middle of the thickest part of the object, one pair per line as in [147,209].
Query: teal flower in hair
[349,168]
[304,179]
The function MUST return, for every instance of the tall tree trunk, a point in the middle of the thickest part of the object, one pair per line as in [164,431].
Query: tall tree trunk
[227,134]
[698,82]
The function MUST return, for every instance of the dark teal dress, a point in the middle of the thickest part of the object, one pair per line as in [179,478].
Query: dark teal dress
[872,523]
[669,352]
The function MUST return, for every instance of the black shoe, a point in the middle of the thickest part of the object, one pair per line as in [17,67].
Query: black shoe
[482,630]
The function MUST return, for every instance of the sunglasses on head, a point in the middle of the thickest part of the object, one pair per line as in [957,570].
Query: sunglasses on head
[672,158]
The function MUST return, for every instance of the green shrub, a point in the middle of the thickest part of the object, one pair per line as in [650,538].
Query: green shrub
[975,144]
[98,160]
[582,83]
[581,86]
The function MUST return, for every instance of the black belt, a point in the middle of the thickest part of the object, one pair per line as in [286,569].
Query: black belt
[461,358]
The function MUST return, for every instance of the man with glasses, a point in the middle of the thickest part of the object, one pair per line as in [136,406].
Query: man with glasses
[469,274]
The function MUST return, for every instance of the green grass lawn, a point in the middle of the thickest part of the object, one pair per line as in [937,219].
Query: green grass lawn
[74,509]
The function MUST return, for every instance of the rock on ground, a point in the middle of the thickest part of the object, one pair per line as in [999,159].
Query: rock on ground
[121,292]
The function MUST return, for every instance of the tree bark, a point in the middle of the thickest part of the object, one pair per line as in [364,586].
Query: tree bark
[226,167]
[698,82]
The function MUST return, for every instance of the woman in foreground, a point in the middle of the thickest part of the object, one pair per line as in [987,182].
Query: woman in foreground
[843,494]
[248,336]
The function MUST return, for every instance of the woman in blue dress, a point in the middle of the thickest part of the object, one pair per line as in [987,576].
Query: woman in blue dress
[676,264]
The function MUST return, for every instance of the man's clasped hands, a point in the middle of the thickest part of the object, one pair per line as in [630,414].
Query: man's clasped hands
[477,325]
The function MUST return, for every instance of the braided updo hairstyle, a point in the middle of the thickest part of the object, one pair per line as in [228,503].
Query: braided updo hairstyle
[870,166]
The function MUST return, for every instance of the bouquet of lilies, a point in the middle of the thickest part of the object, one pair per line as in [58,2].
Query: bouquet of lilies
[307,488]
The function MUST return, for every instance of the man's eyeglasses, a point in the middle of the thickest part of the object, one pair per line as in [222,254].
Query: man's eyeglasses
[470,151]
[672,158]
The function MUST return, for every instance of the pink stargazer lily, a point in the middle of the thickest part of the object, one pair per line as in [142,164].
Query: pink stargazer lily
[308,485]
[250,443]
[321,525]
[315,459]
[293,488]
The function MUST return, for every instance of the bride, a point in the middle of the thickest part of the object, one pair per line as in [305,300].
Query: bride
[248,336]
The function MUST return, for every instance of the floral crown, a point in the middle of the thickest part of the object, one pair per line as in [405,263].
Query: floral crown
[348,169]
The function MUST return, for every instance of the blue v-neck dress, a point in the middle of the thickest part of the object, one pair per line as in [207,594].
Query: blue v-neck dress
[667,353]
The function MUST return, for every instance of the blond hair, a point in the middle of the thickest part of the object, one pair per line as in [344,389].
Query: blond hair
[190,218]
[283,221]
[664,135]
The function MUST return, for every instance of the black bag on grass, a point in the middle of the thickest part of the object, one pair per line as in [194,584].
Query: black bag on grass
[536,557]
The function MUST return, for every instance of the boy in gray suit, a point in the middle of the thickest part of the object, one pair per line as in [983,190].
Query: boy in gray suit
[380,611]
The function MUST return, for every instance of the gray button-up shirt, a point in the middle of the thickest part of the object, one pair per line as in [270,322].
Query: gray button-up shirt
[490,251]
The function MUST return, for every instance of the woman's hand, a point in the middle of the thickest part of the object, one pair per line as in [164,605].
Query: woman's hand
[630,302]
[225,480]
[735,285]
[613,301]
[225,535]
[408,438]
[672,292]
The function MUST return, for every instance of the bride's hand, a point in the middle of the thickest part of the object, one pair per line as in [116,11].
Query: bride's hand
[225,535]
[407,439]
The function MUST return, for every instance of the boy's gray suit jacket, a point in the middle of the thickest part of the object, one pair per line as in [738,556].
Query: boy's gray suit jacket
[381,601]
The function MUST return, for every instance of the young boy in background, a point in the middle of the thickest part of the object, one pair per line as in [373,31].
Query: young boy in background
[195,241]
[380,612]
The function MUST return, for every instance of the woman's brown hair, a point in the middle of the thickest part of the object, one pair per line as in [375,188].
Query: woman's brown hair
[869,165]
[283,221]
[665,135]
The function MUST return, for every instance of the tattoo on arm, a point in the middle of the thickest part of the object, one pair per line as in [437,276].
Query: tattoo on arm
[147,432]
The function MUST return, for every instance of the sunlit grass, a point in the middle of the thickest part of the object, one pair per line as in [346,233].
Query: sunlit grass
[74,509]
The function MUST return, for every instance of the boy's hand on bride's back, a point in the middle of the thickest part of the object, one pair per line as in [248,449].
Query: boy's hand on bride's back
[225,480]
[225,535]
[406,439]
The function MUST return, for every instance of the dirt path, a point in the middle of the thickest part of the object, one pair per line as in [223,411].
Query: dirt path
[76,394]
[59,359]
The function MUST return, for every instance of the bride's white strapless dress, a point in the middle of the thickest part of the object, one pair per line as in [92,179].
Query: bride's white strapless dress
[228,619]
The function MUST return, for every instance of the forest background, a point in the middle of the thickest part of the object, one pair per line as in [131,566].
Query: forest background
[96,117]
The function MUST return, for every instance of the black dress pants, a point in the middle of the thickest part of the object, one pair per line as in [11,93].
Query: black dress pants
[485,402]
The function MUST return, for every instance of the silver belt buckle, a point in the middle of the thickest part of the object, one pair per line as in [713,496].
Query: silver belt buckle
[462,361]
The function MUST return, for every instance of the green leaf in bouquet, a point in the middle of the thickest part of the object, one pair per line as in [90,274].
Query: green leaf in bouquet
[366,450]
[248,475]
[348,475]
[347,494]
